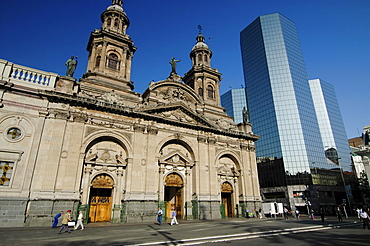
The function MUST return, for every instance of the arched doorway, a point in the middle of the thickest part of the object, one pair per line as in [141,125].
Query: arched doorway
[226,198]
[101,198]
[173,194]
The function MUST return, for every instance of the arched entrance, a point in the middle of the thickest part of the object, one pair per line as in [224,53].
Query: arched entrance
[173,194]
[101,198]
[226,198]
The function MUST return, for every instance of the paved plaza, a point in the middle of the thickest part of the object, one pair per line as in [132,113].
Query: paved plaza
[233,231]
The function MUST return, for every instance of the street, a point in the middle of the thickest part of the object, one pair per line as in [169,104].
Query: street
[233,231]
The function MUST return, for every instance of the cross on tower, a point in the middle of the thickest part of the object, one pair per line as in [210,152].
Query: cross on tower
[200,29]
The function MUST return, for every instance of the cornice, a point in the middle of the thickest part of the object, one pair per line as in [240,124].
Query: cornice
[96,104]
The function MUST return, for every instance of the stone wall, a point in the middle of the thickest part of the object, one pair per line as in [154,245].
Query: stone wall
[12,212]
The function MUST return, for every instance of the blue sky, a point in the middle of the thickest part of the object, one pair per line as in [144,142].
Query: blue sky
[334,36]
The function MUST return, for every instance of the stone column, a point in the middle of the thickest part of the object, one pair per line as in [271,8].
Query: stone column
[86,184]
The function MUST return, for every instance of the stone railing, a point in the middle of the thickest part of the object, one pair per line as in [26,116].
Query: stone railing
[26,76]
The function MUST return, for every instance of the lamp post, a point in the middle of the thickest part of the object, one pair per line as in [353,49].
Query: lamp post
[345,190]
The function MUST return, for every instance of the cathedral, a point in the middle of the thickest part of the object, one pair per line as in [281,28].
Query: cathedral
[97,146]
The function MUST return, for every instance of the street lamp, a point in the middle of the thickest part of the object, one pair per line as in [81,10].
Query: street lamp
[345,190]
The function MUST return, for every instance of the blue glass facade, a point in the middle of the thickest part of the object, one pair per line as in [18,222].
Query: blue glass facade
[234,101]
[330,121]
[301,129]
[279,96]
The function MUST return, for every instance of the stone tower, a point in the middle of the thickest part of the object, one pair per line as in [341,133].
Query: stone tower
[204,79]
[110,54]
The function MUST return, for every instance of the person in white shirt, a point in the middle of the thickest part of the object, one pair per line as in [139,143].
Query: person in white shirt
[174,220]
[365,219]
[79,221]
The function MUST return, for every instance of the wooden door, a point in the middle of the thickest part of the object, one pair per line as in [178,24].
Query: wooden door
[179,202]
[226,201]
[100,207]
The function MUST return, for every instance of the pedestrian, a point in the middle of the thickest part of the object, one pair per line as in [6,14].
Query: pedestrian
[159,216]
[66,218]
[56,219]
[260,212]
[358,212]
[79,221]
[312,214]
[322,214]
[297,214]
[174,220]
[247,212]
[257,213]
[286,213]
[339,214]
[365,219]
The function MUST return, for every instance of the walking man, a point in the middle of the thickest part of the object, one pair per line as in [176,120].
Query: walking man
[322,213]
[286,212]
[297,214]
[365,219]
[66,218]
[159,216]
[339,214]
[79,221]
[56,219]
[174,220]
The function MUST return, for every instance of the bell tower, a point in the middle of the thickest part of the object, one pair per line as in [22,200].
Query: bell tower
[111,50]
[204,79]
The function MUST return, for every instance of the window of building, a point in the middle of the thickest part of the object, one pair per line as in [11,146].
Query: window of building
[109,21]
[200,91]
[116,23]
[97,62]
[14,133]
[200,58]
[210,91]
[6,171]
[113,61]
[206,58]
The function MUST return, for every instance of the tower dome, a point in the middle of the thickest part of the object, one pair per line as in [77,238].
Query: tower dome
[200,43]
[200,53]
[114,18]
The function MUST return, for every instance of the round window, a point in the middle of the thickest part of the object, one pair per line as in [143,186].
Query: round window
[14,133]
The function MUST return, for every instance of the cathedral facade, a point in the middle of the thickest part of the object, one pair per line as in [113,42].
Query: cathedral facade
[97,146]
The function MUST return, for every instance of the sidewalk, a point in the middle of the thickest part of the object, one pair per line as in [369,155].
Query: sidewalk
[105,233]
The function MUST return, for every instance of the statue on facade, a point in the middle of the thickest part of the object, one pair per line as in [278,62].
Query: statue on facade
[173,63]
[245,115]
[71,66]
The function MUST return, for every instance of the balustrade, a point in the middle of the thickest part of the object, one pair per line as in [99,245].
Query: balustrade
[26,76]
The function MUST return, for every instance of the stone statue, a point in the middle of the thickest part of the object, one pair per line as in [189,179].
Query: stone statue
[71,66]
[245,115]
[173,63]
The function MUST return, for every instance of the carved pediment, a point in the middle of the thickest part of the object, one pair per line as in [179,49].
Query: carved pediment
[177,111]
[176,158]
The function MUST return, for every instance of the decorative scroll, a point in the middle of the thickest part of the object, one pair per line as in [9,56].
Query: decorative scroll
[100,200]
[174,179]
[102,181]
[226,188]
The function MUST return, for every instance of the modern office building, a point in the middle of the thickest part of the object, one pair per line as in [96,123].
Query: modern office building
[291,154]
[234,101]
[331,124]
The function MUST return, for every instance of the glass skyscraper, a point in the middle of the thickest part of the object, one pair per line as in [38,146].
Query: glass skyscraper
[234,101]
[331,124]
[291,152]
